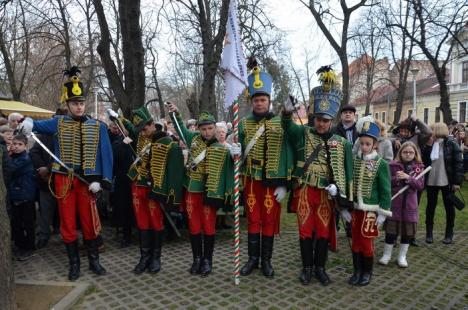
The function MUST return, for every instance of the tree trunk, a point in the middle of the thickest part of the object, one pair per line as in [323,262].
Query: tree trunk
[131,94]
[133,53]
[444,98]
[9,67]
[345,79]
[207,96]
[7,284]
[399,103]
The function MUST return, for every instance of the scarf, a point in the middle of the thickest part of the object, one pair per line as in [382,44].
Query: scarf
[436,149]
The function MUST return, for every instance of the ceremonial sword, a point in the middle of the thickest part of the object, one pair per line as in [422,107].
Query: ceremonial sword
[33,135]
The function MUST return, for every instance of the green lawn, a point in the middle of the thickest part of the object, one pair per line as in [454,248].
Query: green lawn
[289,221]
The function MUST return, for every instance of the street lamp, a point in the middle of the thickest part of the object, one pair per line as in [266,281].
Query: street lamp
[414,72]
[96,102]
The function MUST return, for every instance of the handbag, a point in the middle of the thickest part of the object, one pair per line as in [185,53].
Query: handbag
[459,203]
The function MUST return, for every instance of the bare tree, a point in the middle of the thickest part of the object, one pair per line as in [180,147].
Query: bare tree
[207,19]
[14,46]
[370,70]
[129,91]
[436,28]
[326,15]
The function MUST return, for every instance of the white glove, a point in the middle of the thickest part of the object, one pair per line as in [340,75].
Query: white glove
[289,104]
[280,193]
[346,215]
[26,126]
[127,140]
[332,190]
[112,114]
[235,149]
[380,219]
[414,116]
[94,187]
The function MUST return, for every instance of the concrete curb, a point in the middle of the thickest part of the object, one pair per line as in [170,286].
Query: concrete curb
[68,300]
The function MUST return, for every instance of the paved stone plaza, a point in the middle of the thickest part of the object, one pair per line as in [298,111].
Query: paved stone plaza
[437,278]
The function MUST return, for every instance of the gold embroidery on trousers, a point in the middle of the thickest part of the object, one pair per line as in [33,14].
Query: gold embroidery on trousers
[251,198]
[324,212]
[189,206]
[303,208]
[268,203]
[368,224]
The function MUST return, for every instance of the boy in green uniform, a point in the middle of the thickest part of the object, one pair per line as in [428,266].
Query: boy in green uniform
[208,184]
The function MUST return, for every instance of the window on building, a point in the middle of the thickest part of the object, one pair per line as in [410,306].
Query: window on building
[410,111]
[384,117]
[437,115]
[465,72]
[462,112]
[426,115]
[376,115]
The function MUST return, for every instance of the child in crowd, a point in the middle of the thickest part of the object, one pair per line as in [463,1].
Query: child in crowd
[404,169]
[7,134]
[21,192]
[372,201]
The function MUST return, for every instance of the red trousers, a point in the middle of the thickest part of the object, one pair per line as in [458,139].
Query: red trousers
[148,213]
[315,213]
[201,218]
[74,199]
[364,230]
[263,211]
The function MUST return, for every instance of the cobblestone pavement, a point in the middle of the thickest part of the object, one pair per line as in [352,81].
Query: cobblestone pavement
[437,278]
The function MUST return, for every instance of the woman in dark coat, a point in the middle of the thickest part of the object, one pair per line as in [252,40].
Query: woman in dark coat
[121,196]
[445,157]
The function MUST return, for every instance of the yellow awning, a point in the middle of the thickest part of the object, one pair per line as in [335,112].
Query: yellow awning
[7,107]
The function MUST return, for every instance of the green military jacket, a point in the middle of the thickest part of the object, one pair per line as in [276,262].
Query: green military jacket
[321,171]
[139,172]
[271,158]
[166,164]
[372,184]
[214,175]
[220,177]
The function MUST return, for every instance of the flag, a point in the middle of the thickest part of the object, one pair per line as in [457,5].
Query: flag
[233,60]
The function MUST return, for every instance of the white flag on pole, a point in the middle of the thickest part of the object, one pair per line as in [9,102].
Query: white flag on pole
[233,60]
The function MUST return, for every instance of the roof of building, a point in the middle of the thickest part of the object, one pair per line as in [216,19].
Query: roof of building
[383,93]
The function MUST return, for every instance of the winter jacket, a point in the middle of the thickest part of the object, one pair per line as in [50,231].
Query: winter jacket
[41,158]
[405,206]
[453,160]
[339,130]
[22,186]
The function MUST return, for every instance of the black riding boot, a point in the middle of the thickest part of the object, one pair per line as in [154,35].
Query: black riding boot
[367,263]
[254,254]
[145,251]
[155,261]
[448,235]
[357,269]
[93,258]
[321,253]
[267,251]
[73,260]
[429,238]
[207,263]
[196,242]
[307,254]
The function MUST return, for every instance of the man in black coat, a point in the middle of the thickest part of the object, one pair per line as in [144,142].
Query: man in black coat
[347,125]
[347,129]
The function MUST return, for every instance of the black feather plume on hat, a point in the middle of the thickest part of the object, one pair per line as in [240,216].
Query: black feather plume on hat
[73,71]
[252,62]
[324,69]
